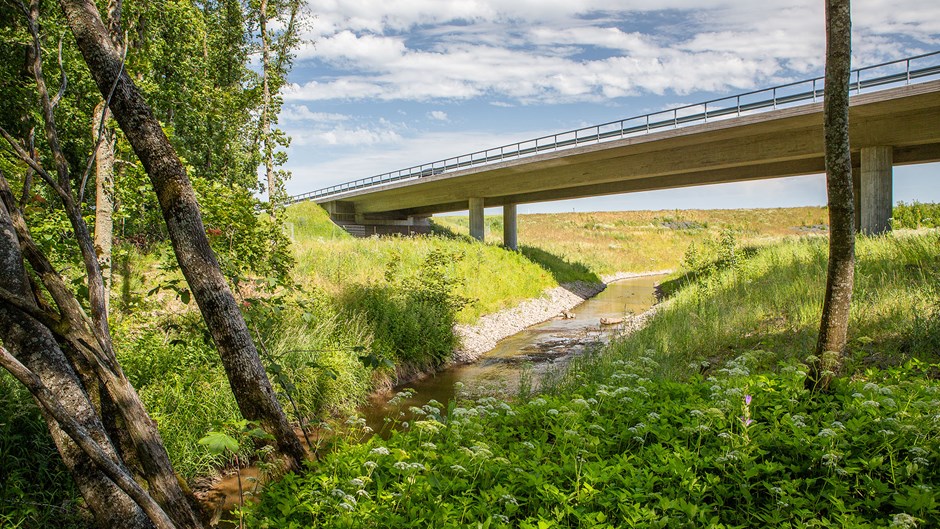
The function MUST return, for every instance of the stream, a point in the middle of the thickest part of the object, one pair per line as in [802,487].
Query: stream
[524,357]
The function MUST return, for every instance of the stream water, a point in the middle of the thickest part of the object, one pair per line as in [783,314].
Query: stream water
[526,356]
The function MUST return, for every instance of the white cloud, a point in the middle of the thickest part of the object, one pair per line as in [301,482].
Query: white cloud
[438,115]
[552,51]
[302,113]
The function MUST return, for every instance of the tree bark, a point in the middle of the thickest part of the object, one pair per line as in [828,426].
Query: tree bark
[104,198]
[833,327]
[36,348]
[86,349]
[246,374]
[267,144]
[57,413]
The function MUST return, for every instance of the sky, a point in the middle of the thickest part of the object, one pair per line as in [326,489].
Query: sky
[380,85]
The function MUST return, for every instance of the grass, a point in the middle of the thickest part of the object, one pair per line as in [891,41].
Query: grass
[639,241]
[491,276]
[700,419]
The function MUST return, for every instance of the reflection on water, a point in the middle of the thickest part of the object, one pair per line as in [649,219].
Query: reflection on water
[528,354]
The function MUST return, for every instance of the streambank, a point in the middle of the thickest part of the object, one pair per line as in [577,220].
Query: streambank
[482,336]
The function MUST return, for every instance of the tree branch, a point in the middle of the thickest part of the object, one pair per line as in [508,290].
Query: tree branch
[21,153]
[82,438]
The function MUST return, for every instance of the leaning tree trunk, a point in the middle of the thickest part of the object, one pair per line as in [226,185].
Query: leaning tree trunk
[36,348]
[833,327]
[246,374]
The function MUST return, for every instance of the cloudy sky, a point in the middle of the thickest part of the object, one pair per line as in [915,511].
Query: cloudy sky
[385,84]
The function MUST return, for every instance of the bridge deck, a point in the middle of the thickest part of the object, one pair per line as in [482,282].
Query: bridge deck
[777,143]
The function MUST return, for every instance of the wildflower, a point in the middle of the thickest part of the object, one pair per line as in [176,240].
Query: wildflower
[458,469]
[339,493]
[830,459]
[346,506]
[357,482]
[553,411]
[370,465]
[380,450]
[429,446]
[904,521]
[509,499]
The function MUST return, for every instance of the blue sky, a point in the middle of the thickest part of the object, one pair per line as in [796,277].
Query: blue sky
[385,84]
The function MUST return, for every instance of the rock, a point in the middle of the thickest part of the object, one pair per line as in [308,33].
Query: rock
[611,321]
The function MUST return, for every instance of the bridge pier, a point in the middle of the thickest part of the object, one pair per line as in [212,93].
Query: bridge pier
[477,223]
[875,188]
[510,231]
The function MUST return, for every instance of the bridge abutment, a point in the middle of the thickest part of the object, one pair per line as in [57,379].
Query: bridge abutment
[344,215]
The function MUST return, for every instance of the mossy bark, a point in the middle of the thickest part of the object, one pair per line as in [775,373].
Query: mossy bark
[833,328]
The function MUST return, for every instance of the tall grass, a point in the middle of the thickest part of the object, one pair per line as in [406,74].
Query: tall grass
[772,302]
[36,490]
[494,278]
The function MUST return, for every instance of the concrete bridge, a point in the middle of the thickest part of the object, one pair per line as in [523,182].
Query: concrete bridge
[776,132]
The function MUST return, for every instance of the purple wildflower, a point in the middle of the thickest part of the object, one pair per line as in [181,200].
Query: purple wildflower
[747,400]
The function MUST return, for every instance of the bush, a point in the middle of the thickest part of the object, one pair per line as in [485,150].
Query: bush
[412,316]
[735,450]
[916,215]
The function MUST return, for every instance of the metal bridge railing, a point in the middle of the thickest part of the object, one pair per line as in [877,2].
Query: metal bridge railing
[880,76]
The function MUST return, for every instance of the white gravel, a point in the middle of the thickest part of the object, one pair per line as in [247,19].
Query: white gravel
[482,336]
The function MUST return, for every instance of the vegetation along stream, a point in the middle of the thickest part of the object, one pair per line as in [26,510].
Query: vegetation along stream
[524,358]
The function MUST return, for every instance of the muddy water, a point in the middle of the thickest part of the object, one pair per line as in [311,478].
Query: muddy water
[526,356]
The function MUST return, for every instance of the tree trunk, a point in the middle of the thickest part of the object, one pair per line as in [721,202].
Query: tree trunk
[90,352]
[833,328]
[104,198]
[246,374]
[267,144]
[36,348]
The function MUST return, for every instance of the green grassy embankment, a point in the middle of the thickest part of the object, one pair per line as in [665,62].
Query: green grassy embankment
[700,419]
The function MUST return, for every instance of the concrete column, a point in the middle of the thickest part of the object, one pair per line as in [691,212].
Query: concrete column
[476,218]
[857,191]
[876,180]
[510,233]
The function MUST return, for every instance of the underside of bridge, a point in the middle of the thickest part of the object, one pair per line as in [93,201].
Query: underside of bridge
[887,128]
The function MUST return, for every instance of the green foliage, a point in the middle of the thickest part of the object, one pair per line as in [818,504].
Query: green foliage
[700,419]
[916,215]
[36,489]
[413,314]
[736,450]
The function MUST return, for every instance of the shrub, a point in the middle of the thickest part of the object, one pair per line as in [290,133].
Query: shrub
[916,215]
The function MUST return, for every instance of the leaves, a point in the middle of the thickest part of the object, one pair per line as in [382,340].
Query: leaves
[220,443]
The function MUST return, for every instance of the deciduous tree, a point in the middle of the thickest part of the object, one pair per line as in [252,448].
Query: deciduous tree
[833,327]
[187,233]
